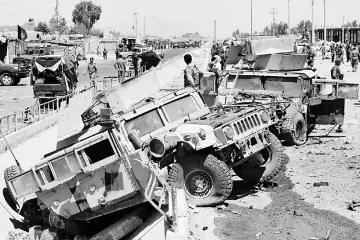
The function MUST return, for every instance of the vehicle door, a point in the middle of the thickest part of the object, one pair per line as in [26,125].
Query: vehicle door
[327,105]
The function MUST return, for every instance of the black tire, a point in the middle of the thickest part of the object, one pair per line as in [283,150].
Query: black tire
[255,171]
[209,171]
[294,129]
[9,199]
[11,172]
[6,79]
[16,81]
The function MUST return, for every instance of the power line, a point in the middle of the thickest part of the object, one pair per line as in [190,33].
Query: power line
[273,24]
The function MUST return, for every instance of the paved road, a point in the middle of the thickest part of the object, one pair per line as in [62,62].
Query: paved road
[19,97]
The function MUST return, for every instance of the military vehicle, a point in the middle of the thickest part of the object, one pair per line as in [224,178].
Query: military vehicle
[90,181]
[202,147]
[296,98]
[53,76]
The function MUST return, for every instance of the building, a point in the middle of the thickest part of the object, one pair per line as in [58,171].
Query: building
[28,26]
[336,34]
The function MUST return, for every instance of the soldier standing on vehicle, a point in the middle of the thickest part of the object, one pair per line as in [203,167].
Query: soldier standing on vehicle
[192,74]
[121,68]
[92,69]
[354,56]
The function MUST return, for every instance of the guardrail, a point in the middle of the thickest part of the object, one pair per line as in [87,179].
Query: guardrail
[21,119]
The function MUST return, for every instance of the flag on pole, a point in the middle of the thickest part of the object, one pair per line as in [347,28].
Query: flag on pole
[22,34]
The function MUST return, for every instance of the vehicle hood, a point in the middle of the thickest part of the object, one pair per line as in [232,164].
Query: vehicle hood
[8,66]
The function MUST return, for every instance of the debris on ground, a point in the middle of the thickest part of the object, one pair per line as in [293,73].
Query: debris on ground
[18,234]
[353,205]
[319,184]
[222,207]
[313,141]
[259,234]
[205,228]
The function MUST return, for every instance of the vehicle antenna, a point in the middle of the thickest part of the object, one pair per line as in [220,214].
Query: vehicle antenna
[8,146]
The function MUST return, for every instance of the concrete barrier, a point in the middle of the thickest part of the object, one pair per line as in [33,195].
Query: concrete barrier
[26,133]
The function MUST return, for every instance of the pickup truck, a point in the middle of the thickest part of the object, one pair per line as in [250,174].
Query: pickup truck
[11,74]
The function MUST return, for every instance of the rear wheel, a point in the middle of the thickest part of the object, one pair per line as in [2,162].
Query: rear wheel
[6,79]
[294,129]
[206,180]
[264,165]
[16,81]
[9,173]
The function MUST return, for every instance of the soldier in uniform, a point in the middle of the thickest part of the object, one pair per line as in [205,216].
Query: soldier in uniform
[336,74]
[92,69]
[354,56]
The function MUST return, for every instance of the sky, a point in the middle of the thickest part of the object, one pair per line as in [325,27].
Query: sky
[176,17]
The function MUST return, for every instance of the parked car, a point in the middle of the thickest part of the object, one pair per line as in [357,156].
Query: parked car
[11,74]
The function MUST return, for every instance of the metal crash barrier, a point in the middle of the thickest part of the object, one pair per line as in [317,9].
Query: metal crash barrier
[21,119]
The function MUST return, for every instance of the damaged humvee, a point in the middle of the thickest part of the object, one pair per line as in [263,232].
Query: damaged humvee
[93,184]
[201,147]
[296,98]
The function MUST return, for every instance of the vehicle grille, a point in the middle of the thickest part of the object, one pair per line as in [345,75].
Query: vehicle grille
[248,124]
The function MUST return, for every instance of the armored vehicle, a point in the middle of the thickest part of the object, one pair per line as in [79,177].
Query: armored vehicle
[202,146]
[82,186]
[296,98]
[53,76]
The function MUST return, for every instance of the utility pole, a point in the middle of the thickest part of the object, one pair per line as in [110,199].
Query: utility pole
[343,32]
[312,22]
[136,29]
[289,18]
[215,31]
[273,24]
[251,30]
[325,22]
[57,12]
[144,26]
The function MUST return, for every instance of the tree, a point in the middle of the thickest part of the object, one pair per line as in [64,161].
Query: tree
[96,32]
[354,23]
[56,26]
[42,27]
[304,26]
[79,29]
[116,34]
[86,13]
[277,28]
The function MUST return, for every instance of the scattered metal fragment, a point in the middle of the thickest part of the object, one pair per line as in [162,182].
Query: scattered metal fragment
[353,205]
[205,228]
[319,184]
[258,234]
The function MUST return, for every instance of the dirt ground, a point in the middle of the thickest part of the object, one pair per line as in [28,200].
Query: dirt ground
[290,206]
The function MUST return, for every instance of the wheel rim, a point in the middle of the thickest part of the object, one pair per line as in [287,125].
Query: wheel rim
[261,158]
[6,80]
[199,184]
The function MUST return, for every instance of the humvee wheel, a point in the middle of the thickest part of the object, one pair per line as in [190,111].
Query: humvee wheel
[206,180]
[263,166]
[294,129]
[10,172]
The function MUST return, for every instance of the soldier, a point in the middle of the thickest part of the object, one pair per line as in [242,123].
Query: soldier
[105,53]
[192,74]
[92,69]
[354,56]
[135,61]
[336,74]
[117,53]
[121,67]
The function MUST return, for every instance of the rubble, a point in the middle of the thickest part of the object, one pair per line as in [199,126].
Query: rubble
[18,234]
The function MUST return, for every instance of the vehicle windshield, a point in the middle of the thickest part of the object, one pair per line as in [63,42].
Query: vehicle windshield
[151,121]
[145,124]
[25,184]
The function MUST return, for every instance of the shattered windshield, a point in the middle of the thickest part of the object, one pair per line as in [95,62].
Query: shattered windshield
[145,124]
[180,108]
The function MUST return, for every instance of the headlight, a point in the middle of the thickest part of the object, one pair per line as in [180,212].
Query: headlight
[202,134]
[157,148]
[229,132]
[264,116]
